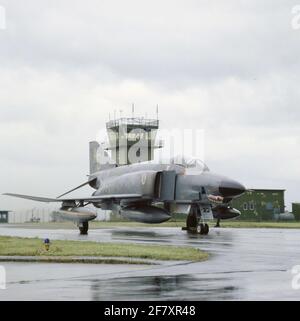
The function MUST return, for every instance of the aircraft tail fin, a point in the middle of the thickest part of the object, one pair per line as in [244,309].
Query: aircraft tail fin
[99,158]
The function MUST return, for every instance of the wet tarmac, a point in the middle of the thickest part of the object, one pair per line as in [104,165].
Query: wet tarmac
[245,264]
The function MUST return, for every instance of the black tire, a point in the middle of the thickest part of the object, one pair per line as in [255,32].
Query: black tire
[84,228]
[206,229]
[191,221]
[200,228]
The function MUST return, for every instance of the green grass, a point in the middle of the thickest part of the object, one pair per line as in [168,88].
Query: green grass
[264,224]
[179,223]
[172,223]
[71,259]
[182,223]
[13,246]
[96,225]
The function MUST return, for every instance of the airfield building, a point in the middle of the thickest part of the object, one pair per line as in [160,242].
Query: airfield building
[296,211]
[260,204]
[4,216]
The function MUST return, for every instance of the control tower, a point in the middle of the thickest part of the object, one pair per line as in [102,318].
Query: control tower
[132,140]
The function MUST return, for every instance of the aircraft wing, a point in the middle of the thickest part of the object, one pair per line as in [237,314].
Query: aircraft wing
[84,199]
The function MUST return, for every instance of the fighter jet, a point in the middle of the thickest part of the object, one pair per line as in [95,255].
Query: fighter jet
[151,192]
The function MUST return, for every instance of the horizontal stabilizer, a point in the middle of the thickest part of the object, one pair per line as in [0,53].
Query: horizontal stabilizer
[97,198]
[32,198]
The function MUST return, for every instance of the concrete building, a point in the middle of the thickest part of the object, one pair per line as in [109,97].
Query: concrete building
[260,204]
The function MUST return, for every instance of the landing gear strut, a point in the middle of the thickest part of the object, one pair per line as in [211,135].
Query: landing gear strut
[194,223]
[83,228]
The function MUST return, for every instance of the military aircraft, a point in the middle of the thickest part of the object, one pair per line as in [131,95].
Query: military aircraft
[150,192]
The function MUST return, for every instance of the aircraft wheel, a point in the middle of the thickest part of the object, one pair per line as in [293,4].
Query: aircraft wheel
[206,229]
[200,228]
[191,222]
[84,228]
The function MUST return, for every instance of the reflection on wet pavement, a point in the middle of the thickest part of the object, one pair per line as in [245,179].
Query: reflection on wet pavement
[244,264]
[185,287]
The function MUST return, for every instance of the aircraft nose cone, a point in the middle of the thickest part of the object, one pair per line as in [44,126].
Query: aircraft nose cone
[231,188]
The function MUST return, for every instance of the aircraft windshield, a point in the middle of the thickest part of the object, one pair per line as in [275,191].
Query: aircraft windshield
[190,163]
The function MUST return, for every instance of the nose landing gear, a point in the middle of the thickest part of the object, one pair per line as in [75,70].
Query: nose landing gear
[194,222]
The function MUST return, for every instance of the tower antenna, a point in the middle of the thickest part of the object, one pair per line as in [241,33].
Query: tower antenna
[157,111]
[132,110]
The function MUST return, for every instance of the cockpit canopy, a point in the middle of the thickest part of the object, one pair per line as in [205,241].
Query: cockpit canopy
[191,163]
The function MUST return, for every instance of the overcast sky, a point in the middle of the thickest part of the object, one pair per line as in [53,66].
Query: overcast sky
[228,67]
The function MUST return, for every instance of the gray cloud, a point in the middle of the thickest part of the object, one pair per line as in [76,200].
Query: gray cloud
[229,67]
[173,41]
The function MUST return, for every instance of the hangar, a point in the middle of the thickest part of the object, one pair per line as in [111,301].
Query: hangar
[296,211]
[260,204]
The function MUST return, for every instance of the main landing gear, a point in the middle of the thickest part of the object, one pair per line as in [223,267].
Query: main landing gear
[218,223]
[202,229]
[194,222]
[83,228]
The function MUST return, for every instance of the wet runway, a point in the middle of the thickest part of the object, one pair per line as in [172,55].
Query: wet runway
[245,264]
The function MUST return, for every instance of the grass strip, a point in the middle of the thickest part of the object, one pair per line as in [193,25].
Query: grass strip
[15,246]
